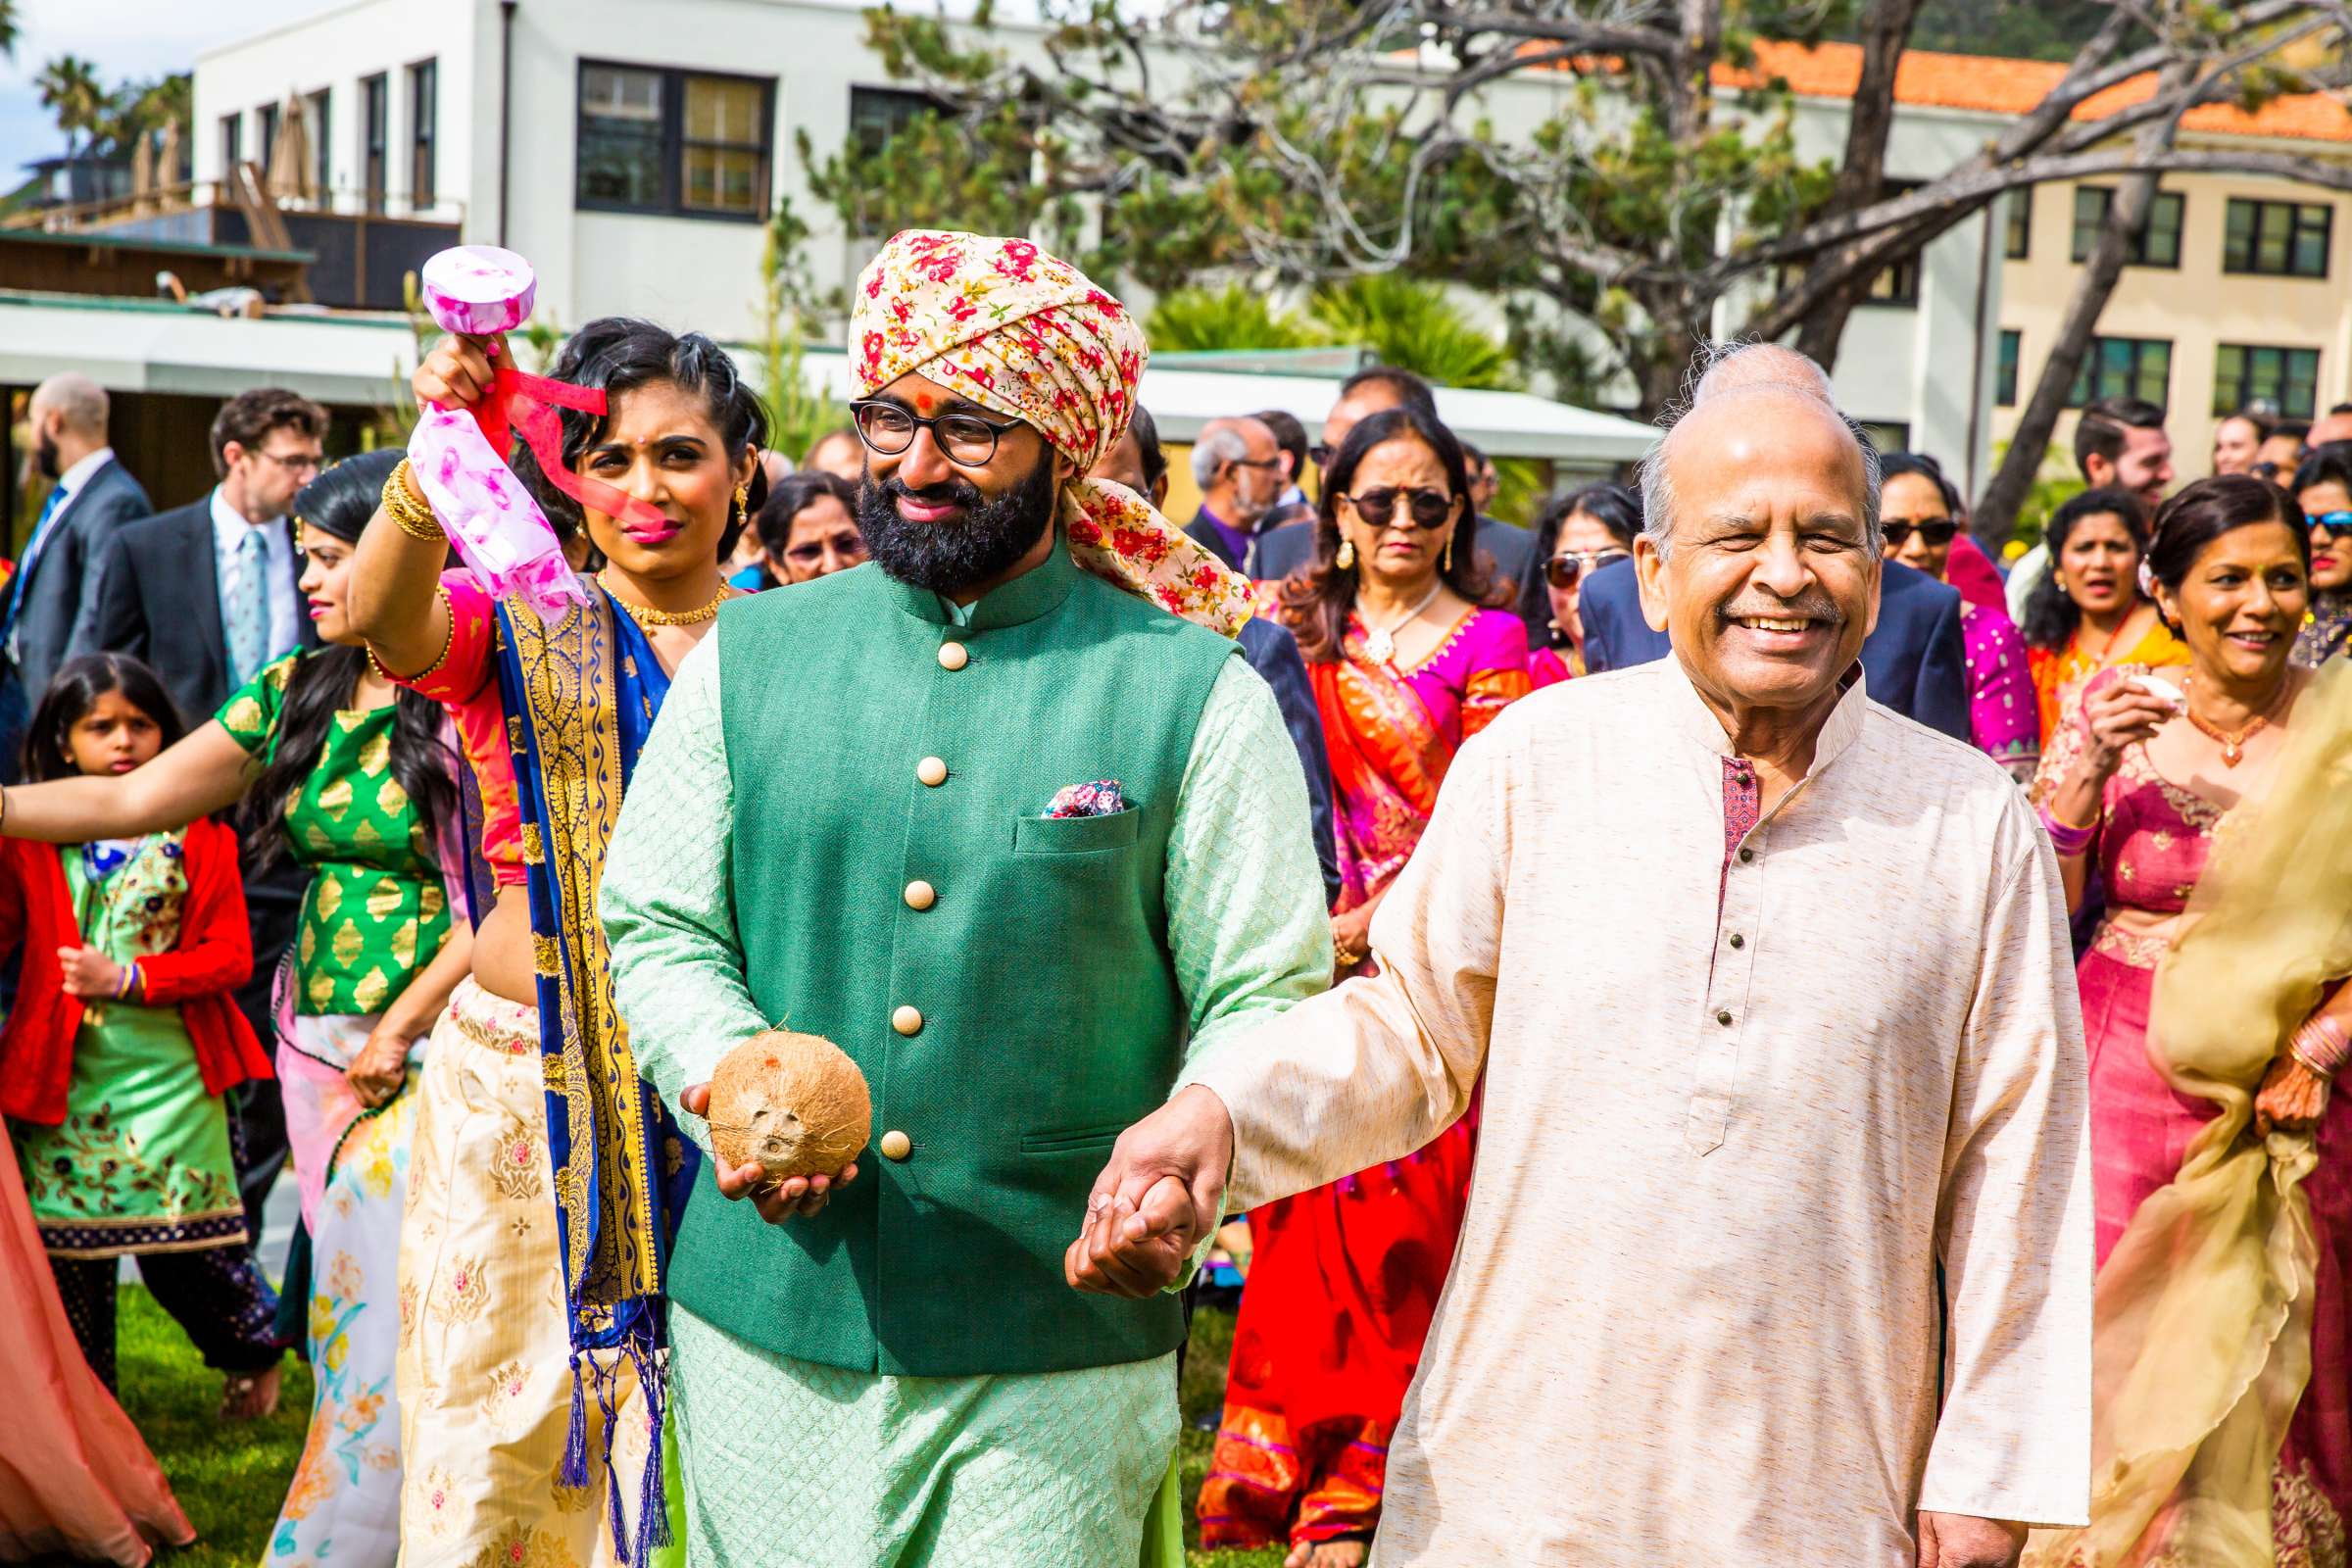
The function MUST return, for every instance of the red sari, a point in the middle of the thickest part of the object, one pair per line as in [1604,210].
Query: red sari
[1344,1279]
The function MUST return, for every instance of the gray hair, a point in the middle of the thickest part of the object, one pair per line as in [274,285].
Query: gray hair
[1718,369]
[81,401]
[1216,446]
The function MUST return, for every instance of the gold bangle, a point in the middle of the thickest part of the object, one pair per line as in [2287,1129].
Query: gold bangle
[2294,1048]
[449,640]
[412,516]
[2097,817]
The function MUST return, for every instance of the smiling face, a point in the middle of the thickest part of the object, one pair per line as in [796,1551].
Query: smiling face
[1771,584]
[326,583]
[1584,535]
[2331,553]
[1909,500]
[2099,564]
[2235,441]
[660,445]
[949,516]
[2241,604]
[114,736]
[1402,555]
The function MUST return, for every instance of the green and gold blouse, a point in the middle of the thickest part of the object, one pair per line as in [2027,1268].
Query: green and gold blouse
[376,911]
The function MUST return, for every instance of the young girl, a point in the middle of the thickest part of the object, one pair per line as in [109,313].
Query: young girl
[356,783]
[125,1039]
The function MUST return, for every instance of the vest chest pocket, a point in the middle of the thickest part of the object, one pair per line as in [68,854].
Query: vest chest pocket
[1075,835]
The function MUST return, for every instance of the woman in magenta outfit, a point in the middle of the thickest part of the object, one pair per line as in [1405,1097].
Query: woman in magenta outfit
[1578,534]
[1921,513]
[1406,666]
[2150,776]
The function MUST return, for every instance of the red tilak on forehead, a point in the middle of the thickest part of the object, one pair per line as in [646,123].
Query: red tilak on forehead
[922,400]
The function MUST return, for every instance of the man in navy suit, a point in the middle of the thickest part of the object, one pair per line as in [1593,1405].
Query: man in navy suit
[55,591]
[1912,659]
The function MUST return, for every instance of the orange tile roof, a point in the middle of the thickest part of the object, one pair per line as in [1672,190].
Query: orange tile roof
[1993,86]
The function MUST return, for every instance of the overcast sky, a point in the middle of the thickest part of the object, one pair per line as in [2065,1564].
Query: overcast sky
[142,38]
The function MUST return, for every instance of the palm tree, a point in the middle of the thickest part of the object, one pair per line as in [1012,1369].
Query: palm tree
[70,90]
[9,26]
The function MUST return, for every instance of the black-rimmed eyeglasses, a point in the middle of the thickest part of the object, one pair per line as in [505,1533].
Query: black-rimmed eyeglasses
[968,440]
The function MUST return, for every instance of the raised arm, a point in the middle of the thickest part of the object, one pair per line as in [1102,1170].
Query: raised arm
[394,600]
[206,772]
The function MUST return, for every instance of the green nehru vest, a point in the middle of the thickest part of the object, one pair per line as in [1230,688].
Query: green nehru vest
[1001,978]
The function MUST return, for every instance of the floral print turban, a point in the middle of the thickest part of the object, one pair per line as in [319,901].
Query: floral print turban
[1021,332]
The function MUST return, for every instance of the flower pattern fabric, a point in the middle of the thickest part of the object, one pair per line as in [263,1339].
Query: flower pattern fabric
[1024,333]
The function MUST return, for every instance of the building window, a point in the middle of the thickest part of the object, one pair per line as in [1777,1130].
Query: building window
[2004,371]
[265,128]
[2158,242]
[2285,380]
[322,106]
[685,143]
[2276,240]
[2021,224]
[877,114]
[233,144]
[2124,368]
[1888,435]
[374,106]
[424,101]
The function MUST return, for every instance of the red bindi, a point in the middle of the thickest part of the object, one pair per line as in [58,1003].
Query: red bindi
[922,400]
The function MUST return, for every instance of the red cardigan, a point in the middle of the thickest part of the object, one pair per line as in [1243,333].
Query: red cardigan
[214,957]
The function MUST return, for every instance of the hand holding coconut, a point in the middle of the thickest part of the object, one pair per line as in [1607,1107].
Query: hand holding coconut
[789,1115]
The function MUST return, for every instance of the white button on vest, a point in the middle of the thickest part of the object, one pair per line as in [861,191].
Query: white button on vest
[932,771]
[921,895]
[906,1020]
[953,656]
[895,1145]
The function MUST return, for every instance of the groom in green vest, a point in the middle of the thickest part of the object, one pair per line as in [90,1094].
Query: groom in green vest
[1003,816]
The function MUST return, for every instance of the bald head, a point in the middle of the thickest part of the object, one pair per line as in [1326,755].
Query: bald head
[1730,426]
[1763,364]
[1237,463]
[77,402]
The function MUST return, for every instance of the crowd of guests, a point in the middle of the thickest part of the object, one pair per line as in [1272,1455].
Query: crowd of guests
[298,861]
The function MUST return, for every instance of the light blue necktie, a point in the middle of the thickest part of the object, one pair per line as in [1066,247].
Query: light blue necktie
[245,608]
[33,551]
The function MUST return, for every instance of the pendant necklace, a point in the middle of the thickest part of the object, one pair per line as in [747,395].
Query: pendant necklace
[2234,747]
[1379,642]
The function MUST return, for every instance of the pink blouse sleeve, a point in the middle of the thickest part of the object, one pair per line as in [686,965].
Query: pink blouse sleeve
[464,669]
[1497,674]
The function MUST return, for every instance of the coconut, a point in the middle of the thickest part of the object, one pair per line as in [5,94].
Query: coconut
[793,1105]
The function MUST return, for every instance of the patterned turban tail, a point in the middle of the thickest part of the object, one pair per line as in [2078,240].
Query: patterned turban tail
[1018,332]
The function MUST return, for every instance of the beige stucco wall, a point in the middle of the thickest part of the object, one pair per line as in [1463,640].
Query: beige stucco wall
[2196,307]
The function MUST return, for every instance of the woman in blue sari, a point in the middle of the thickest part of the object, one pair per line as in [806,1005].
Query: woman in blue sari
[545,1180]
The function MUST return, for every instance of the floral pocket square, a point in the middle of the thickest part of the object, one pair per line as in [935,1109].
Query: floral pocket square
[1102,798]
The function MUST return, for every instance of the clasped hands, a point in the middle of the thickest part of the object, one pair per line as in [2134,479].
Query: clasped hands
[1153,1203]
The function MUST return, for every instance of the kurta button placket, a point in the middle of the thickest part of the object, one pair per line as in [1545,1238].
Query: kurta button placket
[952,657]
[1737,941]
[1716,1063]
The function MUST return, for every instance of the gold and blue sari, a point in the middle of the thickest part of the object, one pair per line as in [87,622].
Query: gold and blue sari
[581,698]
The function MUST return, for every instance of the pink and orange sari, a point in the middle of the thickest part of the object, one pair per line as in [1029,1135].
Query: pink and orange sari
[1344,1278]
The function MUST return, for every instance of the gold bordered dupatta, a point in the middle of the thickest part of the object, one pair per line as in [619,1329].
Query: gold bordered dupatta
[580,699]
[2201,1343]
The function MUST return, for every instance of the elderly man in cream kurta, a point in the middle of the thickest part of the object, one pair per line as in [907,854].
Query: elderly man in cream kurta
[1770,988]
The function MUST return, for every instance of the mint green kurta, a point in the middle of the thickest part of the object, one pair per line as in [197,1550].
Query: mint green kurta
[1041,1470]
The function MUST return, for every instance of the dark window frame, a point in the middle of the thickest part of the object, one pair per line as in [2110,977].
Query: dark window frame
[266,129]
[2090,380]
[375,138]
[2240,392]
[2018,243]
[2250,263]
[2080,249]
[233,144]
[322,106]
[424,133]
[2005,367]
[671,143]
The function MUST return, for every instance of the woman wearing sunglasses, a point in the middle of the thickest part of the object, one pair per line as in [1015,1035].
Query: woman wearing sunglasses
[1577,535]
[1919,511]
[1405,666]
[2322,486]
[2091,613]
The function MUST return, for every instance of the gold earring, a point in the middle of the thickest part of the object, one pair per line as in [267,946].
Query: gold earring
[1446,563]
[743,501]
[1346,555]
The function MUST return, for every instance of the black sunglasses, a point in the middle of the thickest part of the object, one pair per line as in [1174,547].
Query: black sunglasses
[1562,571]
[968,440]
[1321,454]
[1933,532]
[1429,509]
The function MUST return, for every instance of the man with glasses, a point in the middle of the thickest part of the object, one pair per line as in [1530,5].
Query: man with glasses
[1238,465]
[1019,841]
[208,593]
[2323,487]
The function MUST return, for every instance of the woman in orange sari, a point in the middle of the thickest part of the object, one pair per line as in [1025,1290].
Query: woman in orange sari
[2093,612]
[1407,666]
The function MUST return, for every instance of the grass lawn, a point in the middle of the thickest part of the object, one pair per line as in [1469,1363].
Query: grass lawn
[231,1479]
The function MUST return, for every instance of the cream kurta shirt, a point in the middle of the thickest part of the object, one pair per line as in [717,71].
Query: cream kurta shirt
[1693,1315]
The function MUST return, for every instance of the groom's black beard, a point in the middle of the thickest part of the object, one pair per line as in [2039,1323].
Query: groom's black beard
[946,557]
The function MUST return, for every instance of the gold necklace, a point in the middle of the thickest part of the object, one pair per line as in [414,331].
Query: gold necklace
[647,615]
[2234,747]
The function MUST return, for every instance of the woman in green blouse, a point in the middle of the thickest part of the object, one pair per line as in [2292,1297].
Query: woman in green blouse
[330,765]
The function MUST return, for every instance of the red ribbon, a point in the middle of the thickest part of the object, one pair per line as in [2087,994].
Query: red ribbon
[527,403]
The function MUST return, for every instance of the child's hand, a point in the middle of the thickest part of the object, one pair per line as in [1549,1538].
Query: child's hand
[90,972]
